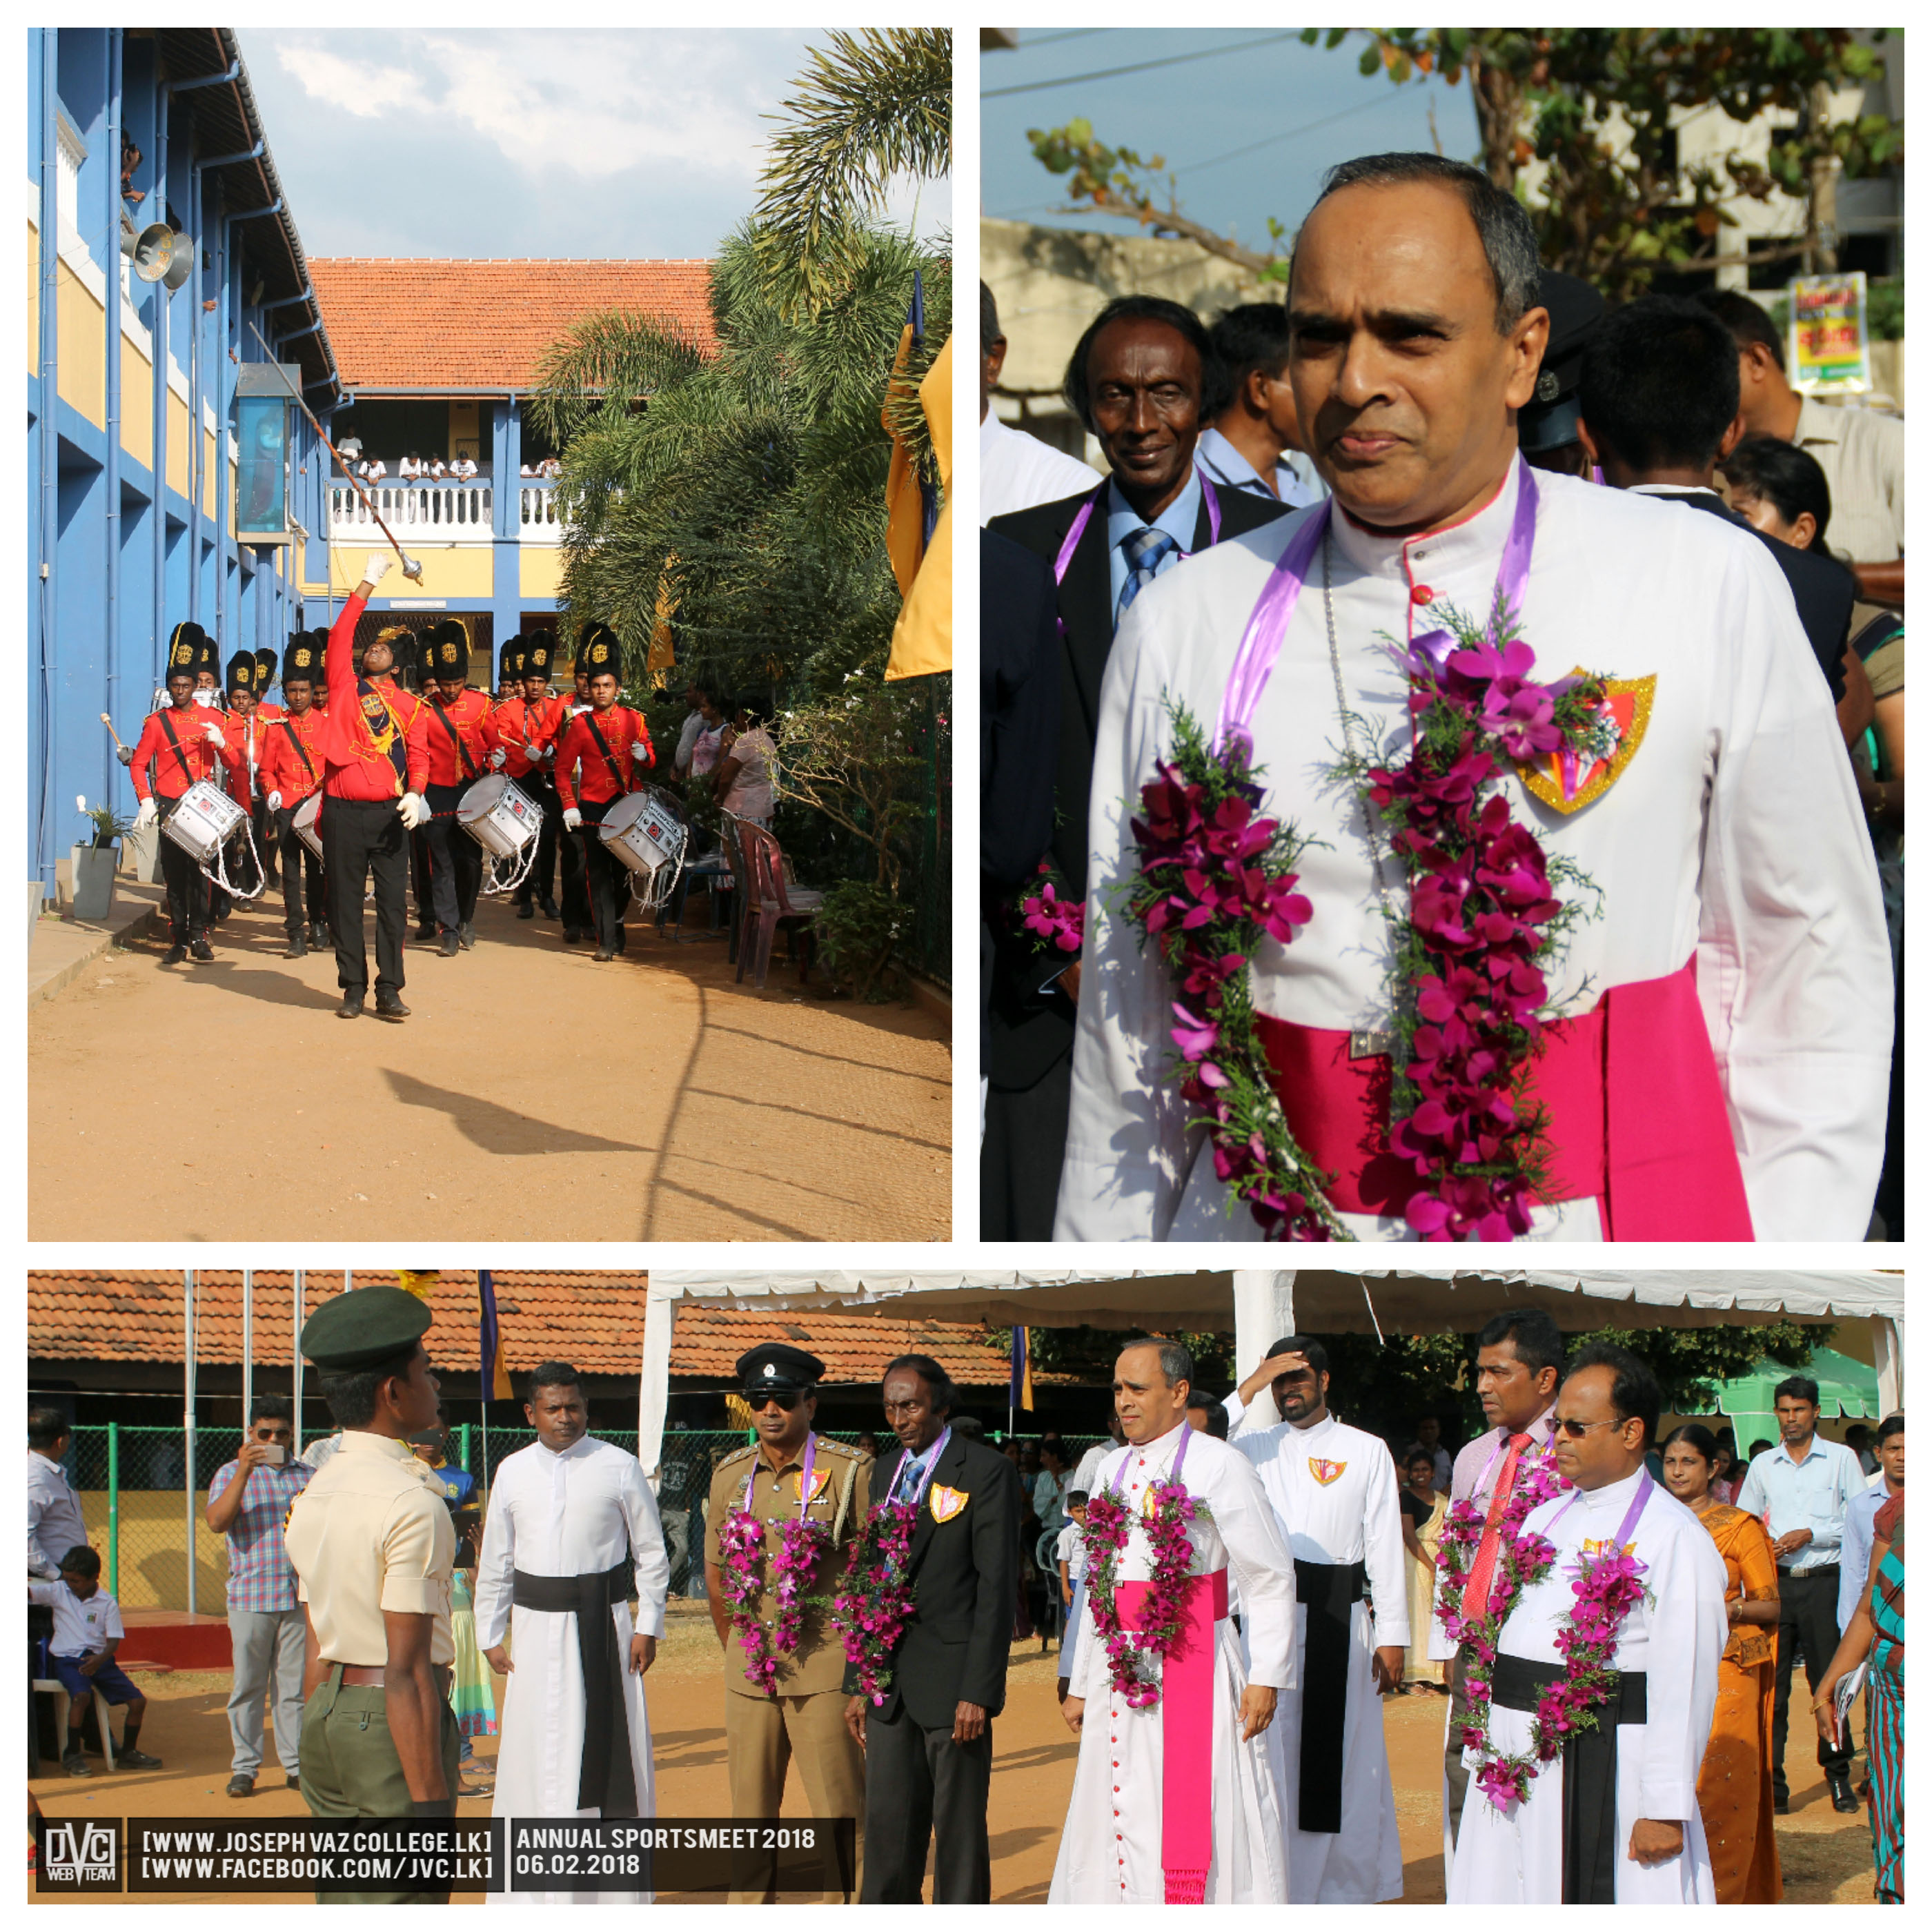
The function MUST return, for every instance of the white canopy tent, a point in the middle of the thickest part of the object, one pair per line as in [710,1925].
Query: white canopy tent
[1262,1303]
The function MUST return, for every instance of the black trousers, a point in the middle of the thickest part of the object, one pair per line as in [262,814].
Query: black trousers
[922,1790]
[455,860]
[577,916]
[362,837]
[302,903]
[1019,1159]
[1807,1613]
[610,880]
[541,885]
[187,889]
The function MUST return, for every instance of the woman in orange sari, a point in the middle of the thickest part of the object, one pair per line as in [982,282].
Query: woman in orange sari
[1734,1786]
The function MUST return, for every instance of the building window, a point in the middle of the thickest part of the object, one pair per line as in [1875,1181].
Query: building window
[72,150]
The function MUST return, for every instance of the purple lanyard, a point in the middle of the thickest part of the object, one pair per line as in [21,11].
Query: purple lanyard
[1173,1475]
[927,1464]
[1064,562]
[1629,1523]
[1261,642]
[804,1478]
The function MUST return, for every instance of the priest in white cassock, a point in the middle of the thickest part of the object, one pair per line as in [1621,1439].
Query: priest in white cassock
[1175,1801]
[1333,1489]
[571,1535]
[1719,1072]
[1613,1819]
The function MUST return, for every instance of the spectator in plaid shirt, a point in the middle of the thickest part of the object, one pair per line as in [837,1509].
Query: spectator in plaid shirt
[247,1502]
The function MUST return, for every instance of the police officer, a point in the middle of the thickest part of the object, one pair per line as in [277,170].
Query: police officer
[373,1552]
[791,1472]
[1546,426]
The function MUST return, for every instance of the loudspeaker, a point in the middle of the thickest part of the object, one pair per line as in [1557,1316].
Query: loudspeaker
[181,262]
[153,250]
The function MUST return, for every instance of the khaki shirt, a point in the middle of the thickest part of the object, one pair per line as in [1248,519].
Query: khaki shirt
[840,1480]
[1862,454]
[371,1533]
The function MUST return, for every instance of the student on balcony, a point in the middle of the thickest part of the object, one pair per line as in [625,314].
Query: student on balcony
[410,468]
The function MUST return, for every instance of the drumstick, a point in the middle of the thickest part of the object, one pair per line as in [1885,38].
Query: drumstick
[112,733]
[411,568]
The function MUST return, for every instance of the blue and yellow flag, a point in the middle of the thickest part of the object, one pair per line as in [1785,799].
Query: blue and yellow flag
[496,1378]
[1019,1391]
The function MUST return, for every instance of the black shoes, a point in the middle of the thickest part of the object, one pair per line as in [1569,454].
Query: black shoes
[466,933]
[571,934]
[351,1008]
[318,937]
[202,949]
[75,1765]
[450,945]
[604,952]
[548,908]
[174,955]
[1781,1803]
[241,1786]
[1842,1797]
[426,931]
[525,909]
[389,1007]
[294,1781]
[297,947]
[137,1760]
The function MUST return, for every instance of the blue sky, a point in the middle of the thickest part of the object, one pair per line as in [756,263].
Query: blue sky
[1192,113]
[446,142]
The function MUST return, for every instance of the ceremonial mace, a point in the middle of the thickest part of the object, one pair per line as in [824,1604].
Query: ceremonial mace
[411,568]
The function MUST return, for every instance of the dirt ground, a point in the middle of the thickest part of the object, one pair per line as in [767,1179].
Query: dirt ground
[532,1094]
[1826,1858]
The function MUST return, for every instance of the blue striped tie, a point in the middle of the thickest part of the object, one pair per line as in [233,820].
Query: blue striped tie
[1146,550]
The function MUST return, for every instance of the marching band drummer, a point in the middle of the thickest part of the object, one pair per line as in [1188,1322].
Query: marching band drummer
[578,920]
[245,725]
[530,724]
[293,759]
[612,745]
[452,743]
[179,746]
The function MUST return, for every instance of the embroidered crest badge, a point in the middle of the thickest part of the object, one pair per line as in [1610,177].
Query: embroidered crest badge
[819,1478]
[1324,1472]
[947,1504]
[1567,780]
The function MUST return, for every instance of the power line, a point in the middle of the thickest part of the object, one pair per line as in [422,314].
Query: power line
[1138,67]
[1289,134]
[1048,39]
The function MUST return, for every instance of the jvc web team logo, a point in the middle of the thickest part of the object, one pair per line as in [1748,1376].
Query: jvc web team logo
[80,1852]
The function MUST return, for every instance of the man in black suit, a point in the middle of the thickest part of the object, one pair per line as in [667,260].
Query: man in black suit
[929,1745]
[1143,379]
[1659,402]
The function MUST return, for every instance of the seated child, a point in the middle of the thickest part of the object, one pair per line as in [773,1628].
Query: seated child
[87,1631]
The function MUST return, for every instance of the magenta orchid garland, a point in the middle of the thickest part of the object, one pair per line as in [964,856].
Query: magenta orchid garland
[1169,1509]
[874,1604]
[1483,921]
[1057,923]
[741,1552]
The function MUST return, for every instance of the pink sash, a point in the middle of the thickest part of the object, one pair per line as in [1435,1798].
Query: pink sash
[1187,1734]
[1637,1115]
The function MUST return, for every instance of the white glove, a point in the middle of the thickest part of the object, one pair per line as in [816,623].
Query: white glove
[499,758]
[642,753]
[377,567]
[413,808]
[213,733]
[274,801]
[125,755]
[536,754]
[573,817]
[148,814]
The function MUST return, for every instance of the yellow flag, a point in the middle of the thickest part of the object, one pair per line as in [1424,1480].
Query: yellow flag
[905,514]
[417,1281]
[922,638]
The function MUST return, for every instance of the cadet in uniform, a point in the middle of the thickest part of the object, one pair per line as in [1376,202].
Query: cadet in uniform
[578,921]
[604,754]
[292,765]
[530,724]
[452,743]
[804,1716]
[374,1554]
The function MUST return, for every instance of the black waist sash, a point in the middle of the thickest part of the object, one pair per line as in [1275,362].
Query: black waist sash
[606,1783]
[1590,1843]
[1329,1592]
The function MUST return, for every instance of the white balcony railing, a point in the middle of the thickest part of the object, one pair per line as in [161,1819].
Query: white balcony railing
[538,519]
[453,513]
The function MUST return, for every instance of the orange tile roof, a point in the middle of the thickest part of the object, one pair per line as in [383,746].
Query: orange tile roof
[592,1317]
[443,327]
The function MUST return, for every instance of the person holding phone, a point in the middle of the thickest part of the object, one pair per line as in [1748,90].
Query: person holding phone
[247,1502]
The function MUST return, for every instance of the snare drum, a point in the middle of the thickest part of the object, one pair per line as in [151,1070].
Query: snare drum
[203,819]
[500,818]
[305,823]
[640,833]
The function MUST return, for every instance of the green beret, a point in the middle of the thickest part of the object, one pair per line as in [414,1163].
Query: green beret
[363,1328]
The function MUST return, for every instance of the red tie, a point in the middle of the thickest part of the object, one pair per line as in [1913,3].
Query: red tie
[1476,1591]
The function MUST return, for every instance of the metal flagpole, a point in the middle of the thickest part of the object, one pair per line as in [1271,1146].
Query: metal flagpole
[247,1345]
[295,1345]
[187,1419]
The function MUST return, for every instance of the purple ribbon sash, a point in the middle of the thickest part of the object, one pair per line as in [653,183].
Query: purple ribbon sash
[1064,562]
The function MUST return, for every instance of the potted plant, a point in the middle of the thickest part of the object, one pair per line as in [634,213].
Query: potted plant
[95,863]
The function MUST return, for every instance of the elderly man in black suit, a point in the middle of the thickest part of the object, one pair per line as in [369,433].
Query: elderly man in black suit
[1143,379]
[929,1745]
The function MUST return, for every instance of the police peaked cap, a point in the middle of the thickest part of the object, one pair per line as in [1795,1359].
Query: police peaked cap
[363,1329]
[1549,420]
[241,672]
[777,1366]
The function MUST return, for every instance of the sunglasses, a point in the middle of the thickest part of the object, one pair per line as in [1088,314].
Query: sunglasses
[787,1399]
[1573,1428]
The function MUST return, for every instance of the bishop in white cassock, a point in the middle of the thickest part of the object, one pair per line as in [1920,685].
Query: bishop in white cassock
[1333,1491]
[1111,1850]
[1727,845]
[1631,1832]
[571,1533]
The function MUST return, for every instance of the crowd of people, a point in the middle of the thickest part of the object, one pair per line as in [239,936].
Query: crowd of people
[370,754]
[1245,1579]
[1648,594]
[461,468]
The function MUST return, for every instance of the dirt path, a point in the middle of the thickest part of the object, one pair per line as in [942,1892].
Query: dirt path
[532,1094]
[1827,1859]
